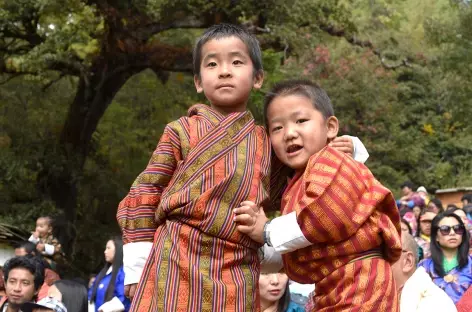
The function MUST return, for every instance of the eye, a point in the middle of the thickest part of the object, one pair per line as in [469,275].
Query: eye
[299,121]
[237,62]
[275,129]
[211,64]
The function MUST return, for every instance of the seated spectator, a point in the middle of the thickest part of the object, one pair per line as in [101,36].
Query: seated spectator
[50,276]
[423,193]
[466,199]
[450,265]
[72,294]
[423,236]
[409,199]
[412,221]
[275,294]
[108,290]
[451,207]
[435,205]
[416,290]
[23,278]
[405,226]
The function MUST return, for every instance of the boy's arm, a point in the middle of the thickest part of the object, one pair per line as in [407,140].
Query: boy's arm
[136,212]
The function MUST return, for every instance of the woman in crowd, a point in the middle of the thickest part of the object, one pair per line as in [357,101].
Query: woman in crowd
[107,291]
[275,294]
[423,235]
[435,205]
[450,265]
[73,295]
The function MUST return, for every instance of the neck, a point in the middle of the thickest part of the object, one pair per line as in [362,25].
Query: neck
[13,308]
[449,254]
[228,110]
[269,306]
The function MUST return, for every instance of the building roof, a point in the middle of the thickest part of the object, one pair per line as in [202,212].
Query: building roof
[11,235]
[454,190]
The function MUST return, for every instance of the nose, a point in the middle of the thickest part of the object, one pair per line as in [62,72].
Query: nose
[17,287]
[274,279]
[290,133]
[225,71]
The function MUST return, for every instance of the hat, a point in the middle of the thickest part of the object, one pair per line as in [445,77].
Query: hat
[422,189]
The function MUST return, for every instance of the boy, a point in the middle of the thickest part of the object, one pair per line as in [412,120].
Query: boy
[339,227]
[205,165]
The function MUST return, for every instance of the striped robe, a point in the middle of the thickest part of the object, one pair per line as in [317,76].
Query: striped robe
[205,165]
[354,226]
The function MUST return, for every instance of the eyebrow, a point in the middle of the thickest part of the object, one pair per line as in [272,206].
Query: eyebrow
[294,114]
[233,53]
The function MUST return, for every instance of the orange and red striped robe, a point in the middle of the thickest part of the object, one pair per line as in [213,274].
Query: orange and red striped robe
[205,165]
[346,214]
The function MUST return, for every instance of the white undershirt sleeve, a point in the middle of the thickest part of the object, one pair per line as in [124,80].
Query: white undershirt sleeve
[360,153]
[286,235]
[135,256]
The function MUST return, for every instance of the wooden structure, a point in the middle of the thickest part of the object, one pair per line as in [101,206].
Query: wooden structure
[452,195]
[9,237]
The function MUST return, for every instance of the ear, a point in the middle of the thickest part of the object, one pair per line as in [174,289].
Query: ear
[258,79]
[198,83]
[408,262]
[332,124]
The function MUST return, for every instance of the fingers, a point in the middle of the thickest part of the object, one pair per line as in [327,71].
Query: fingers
[245,210]
[132,290]
[245,219]
[127,290]
[244,229]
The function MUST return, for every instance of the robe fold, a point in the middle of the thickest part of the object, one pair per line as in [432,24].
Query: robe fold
[354,226]
[205,165]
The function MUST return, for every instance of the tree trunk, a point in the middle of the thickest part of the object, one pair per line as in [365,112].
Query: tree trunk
[94,94]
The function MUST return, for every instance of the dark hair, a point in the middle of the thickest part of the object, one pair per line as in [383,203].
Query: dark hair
[306,88]
[451,206]
[438,204]
[436,251]
[410,231]
[467,197]
[408,184]
[74,295]
[423,212]
[28,262]
[29,247]
[116,266]
[223,30]
[285,300]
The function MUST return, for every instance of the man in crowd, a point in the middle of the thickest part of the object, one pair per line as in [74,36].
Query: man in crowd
[417,291]
[23,279]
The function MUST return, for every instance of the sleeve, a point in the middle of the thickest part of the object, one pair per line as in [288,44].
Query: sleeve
[338,196]
[360,153]
[33,239]
[136,212]
[291,238]
[49,249]
[271,260]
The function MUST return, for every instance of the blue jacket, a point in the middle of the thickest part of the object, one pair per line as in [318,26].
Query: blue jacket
[102,289]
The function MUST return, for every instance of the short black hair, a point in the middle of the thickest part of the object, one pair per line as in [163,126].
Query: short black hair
[28,262]
[223,30]
[306,88]
[467,197]
[408,184]
[436,252]
[29,247]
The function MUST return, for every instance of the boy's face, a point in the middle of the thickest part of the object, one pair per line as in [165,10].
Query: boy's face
[298,130]
[42,227]
[227,74]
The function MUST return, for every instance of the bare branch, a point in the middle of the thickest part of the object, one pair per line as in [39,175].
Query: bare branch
[12,76]
[146,31]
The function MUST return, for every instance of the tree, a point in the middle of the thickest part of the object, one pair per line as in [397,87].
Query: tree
[104,43]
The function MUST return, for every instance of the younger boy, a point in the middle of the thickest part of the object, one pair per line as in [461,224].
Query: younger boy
[339,227]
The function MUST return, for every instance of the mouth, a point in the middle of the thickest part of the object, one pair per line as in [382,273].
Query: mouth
[292,149]
[274,292]
[225,85]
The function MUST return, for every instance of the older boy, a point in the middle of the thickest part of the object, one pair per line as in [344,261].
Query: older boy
[339,228]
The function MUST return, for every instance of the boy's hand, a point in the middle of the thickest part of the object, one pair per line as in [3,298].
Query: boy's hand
[343,144]
[251,219]
[130,290]
[40,247]
[35,234]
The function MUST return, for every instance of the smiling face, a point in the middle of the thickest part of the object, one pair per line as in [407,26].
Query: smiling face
[272,286]
[297,130]
[450,240]
[227,74]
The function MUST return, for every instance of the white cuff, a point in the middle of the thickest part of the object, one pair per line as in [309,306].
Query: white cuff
[285,234]
[33,239]
[360,153]
[134,259]
[272,261]
[114,305]
[49,249]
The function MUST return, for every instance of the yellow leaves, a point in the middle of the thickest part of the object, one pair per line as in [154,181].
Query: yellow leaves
[428,129]
[84,51]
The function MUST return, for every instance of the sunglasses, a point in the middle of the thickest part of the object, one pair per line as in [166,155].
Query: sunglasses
[446,229]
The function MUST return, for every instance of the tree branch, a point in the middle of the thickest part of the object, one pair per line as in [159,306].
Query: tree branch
[148,30]
[12,76]
[53,81]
